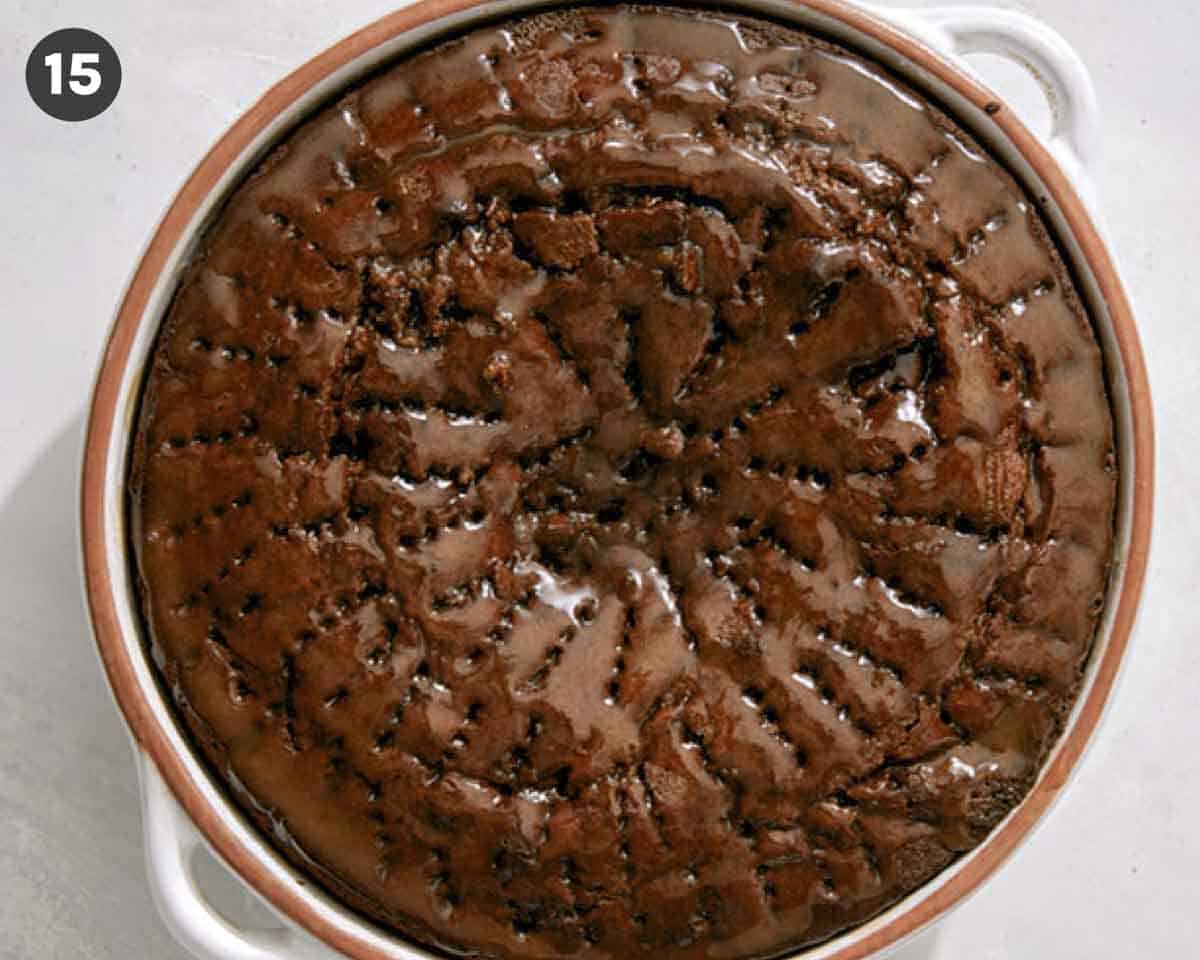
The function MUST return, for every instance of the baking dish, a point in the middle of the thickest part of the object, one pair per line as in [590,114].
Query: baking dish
[184,807]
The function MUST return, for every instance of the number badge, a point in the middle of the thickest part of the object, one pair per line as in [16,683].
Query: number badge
[73,74]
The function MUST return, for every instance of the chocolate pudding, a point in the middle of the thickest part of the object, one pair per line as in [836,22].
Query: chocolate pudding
[625,482]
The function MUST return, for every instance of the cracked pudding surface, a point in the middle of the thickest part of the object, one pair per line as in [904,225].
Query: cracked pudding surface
[627,482]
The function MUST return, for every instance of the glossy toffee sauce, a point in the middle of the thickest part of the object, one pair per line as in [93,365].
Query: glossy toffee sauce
[629,482]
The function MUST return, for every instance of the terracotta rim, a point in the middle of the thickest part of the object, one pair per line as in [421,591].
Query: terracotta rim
[136,704]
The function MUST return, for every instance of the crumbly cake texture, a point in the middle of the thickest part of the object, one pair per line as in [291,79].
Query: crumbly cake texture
[628,482]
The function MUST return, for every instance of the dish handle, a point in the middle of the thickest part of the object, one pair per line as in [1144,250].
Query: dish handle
[1074,135]
[172,844]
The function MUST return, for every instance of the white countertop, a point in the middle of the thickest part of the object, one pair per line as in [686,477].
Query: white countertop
[1112,873]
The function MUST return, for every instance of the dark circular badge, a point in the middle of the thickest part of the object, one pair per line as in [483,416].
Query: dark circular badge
[73,74]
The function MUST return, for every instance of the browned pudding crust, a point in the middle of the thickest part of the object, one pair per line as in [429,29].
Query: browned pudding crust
[630,482]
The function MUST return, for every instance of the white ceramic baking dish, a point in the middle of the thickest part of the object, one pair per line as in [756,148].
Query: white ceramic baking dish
[926,47]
